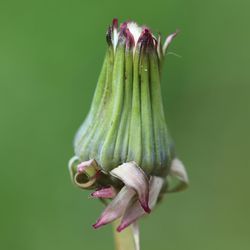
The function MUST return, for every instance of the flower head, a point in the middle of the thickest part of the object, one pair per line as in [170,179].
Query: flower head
[123,150]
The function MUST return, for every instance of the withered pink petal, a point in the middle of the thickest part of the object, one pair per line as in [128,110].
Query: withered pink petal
[134,177]
[116,207]
[178,171]
[134,211]
[156,184]
[168,41]
[107,192]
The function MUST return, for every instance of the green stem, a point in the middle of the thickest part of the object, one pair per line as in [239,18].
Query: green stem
[125,239]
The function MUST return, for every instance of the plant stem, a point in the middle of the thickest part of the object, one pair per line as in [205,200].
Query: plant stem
[124,240]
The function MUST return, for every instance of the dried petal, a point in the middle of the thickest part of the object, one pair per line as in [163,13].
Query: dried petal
[156,184]
[134,211]
[86,174]
[116,208]
[104,193]
[134,177]
[178,171]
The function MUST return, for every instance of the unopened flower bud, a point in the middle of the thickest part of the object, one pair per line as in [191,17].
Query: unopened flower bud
[123,149]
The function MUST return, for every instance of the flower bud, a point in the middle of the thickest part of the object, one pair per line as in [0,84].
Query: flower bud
[123,148]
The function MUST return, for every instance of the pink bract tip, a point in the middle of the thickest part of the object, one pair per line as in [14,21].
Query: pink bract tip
[98,224]
[123,26]
[146,37]
[130,41]
[115,23]
[146,208]
[121,227]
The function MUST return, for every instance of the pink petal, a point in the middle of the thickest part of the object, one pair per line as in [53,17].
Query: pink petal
[107,192]
[156,184]
[134,211]
[134,177]
[178,171]
[116,207]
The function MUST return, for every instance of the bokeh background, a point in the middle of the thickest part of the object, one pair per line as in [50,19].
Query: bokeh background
[50,57]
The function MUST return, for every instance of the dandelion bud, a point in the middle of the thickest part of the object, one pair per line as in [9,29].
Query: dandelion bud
[123,150]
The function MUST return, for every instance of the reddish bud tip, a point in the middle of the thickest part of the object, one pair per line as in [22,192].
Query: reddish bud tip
[115,23]
[130,41]
[146,38]
[123,26]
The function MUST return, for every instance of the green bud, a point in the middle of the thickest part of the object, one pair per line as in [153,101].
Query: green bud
[126,121]
[123,149]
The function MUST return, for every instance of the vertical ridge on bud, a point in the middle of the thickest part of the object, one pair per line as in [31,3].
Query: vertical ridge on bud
[121,147]
[107,153]
[134,144]
[146,113]
[96,103]
[99,131]
[87,146]
[159,123]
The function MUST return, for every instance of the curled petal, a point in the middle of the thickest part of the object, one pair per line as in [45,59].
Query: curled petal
[168,41]
[134,211]
[116,207]
[178,171]
[86,174]
[134,177]
[104,193]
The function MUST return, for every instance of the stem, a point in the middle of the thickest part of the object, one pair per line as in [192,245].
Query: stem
[124,240]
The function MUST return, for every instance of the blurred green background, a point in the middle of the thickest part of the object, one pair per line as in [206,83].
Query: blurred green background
[50,57]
